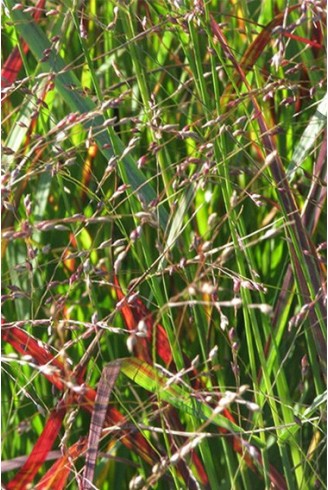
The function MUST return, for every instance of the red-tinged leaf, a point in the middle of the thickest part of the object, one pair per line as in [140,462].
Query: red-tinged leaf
[304,40]
[40,450]
[135,313]
[16,463]
[126,310]
[25,344]
[13,63]
[252,53]
[56,476]
[105,386]
[56,480]
[113,417]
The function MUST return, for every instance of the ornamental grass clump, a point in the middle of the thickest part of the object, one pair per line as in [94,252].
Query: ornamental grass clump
[163,245]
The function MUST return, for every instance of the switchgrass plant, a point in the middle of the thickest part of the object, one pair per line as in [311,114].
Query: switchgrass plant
[163,244]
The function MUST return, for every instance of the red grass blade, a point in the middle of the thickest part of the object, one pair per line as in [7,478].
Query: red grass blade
[252,53]
[26,474]
[24,343]
[133,314]
[13,63]
[304,40]
[56,476]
